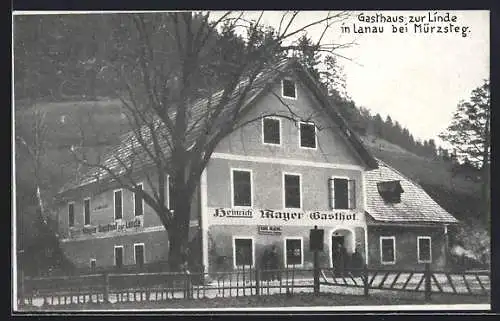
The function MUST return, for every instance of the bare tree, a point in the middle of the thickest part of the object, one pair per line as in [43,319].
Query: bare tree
[165,66]
[35,143]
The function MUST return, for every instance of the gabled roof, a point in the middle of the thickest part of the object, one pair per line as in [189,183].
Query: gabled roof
[415,206]
[131,152]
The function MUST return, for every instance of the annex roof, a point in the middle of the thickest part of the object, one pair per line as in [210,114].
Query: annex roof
[415,205]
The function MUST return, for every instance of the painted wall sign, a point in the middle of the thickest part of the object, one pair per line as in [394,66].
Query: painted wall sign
[221,212]
[105,228]
[269,229]
[229,216]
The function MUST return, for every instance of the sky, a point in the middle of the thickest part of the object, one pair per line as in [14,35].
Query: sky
[416,78]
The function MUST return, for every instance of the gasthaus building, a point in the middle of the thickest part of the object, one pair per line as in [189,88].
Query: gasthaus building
[267,184]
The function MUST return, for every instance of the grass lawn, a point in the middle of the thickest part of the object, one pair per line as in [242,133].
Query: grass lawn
[297,300]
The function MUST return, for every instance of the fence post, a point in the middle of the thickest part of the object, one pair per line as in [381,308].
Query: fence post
[366,284]
[106,288]
[427,276]
[316,273]
[257,281]
[188,285]
[21,289]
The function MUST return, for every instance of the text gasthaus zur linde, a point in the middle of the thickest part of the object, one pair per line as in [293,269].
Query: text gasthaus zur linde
[431,22]
[283,215]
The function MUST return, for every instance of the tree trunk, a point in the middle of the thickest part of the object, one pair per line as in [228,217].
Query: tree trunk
[485,174]
[485,192]
[178,233]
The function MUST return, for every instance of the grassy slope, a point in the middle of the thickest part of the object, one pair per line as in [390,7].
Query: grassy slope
[433,175]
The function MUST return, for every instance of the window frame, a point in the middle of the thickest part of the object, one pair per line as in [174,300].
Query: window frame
[315,135]
[83,210]
[71,224]
[114,205]
[232,187]
[283,186]
[382,238]
[285,249]
[142,203]
[421,237]
[280,131]
[331,200]
[294,86]
[240,237]
[143,253]
[114,255]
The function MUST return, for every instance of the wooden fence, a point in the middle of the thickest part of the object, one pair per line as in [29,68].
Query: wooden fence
[426,281]
[162,286]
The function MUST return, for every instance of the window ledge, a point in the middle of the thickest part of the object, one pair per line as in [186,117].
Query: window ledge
[294,266]
[240,267]
[310,148]
[272,144]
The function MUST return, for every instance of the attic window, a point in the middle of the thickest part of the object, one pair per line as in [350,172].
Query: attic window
[288,88]
[390,191]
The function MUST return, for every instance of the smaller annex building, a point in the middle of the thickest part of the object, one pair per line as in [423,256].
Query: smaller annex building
[266,185]
[406,227]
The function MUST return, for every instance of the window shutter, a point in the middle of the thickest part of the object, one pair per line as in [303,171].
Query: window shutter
[331,190]
[351,192]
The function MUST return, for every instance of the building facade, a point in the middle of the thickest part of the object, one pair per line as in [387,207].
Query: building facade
[266,185]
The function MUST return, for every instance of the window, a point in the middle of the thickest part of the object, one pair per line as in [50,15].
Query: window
[288,88]
[243,252]
[271,131]
[387,249]
[118,204]
[92,265]
[242,187]
[71,214]
[292,191]
[307,135]
[139,254]
[390,191]
[424,251]
[342,193]
[138,203]
[119,256]
[293,251]
[86,211]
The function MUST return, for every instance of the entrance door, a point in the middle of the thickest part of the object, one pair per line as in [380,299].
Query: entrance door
[338,242]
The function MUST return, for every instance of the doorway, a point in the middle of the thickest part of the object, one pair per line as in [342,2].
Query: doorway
[338,251]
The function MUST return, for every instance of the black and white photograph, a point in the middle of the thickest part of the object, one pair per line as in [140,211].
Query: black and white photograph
[259,161]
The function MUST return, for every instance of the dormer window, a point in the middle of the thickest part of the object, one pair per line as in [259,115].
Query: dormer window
[390,191]
[288,89]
